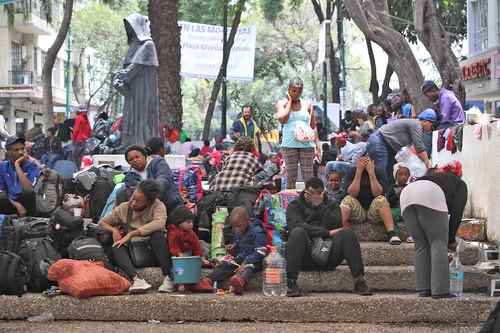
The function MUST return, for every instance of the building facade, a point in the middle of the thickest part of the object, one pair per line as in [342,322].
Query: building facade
[25,38]
[481,69]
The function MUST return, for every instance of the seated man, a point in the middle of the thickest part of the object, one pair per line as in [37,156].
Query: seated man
[238,168]
[366,200]
[311,216]
[349,153]
[18,175]
[247,249]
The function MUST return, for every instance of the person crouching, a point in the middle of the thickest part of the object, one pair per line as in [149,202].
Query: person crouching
[247,250]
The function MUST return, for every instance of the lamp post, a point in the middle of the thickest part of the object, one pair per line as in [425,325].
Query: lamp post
[224,73]
[68,73]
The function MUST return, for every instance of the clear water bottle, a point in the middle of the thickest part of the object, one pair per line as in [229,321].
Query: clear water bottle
[456,276]
[274,281]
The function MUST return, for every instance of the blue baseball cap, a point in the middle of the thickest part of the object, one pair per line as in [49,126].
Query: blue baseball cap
[428,115]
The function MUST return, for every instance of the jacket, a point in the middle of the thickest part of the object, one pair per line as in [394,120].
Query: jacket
[159,170]
[250,247]
[82,130]
[181,241]
[316,221]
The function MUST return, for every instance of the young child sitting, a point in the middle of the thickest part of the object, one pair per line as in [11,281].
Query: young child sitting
[182,240]
[334,190]
[247,249]
[402,175]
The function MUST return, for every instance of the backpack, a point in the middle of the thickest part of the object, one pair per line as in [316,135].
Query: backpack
[91,145]
[38,254]
[64,228]
[33,227]
[191,182]
[14,274]
[39,148]
[101,190]
[270,211]
[48,191]
[10,235]
[86,248]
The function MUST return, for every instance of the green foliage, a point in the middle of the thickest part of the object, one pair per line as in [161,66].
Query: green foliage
[271,9]
[201,11]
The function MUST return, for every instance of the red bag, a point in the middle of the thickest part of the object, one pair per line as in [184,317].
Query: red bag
[83,279]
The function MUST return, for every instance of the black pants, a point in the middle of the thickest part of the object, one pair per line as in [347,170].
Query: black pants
[226,270]
[345,246]
[26,198]
[121,255]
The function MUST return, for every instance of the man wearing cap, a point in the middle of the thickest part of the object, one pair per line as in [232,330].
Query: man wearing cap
[384,144]
[349,153]
[18,175]
[450,108]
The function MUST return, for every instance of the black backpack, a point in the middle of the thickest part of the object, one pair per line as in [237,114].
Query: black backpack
[104,237]
[86,248]
[11,234]
[14,274]
[38,254]
[64,228]
[34,227]
[49,191]
[101,190]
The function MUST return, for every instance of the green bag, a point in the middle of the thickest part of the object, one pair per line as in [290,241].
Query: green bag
[217,248]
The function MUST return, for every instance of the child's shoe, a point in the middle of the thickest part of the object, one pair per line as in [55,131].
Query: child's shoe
[205,285]
[237,284]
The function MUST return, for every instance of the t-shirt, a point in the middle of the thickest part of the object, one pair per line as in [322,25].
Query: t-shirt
[365,196]
[423,193]
[406,110]
[9,181]
[402,133]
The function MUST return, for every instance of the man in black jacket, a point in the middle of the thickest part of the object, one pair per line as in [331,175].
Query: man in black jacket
[314,216]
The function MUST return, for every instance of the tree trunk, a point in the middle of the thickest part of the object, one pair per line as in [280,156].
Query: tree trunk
[167,37]
[373,19]
[386,89]
[374,87]
[335,75]
[431,33]
[50,59]
[240,6]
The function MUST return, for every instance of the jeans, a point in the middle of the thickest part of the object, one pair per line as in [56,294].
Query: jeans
[226,270]
[383,156]
[26,198]
[121,256]
[345,246]
[429,229]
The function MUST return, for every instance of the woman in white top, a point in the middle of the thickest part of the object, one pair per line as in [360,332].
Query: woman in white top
[432,208]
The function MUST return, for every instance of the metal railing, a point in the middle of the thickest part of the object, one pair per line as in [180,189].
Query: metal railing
[21,77]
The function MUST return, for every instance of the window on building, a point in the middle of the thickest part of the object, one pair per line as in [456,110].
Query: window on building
[16,63]
[35,60]
[480,26]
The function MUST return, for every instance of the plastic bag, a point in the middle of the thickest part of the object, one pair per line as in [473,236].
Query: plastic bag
[407,156]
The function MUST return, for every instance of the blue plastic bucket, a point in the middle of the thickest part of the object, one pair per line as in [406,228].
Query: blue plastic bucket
[186,270]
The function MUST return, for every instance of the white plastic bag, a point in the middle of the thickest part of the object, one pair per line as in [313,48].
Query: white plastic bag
[416,166]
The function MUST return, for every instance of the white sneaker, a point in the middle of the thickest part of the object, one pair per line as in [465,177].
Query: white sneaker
[395,240]
[167,286]
[139,286]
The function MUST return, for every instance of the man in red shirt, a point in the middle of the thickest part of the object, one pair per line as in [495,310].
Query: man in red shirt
[81,132]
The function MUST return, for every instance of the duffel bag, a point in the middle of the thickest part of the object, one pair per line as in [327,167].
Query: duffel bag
[86,248]
[38,254]
[85,278]
[14,274]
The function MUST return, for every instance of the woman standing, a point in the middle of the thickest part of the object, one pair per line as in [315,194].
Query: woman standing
[300,137]
[432,208]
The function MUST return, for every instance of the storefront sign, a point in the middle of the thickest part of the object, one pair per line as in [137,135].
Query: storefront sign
[477,70]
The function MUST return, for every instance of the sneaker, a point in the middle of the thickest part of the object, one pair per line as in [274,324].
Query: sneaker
[205,285]
[410,240]
[360,287]
[237,284]
[167,286]
[139,286]
[395,240]
[293,289]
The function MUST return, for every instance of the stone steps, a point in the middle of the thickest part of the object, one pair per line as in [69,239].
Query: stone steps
[321,307]
[379,278]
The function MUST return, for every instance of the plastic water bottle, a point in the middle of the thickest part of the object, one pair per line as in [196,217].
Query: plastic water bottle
[274,281]
[456,276]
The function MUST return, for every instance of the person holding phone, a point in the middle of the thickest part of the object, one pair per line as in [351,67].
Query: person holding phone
[300,141]
[18,174]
